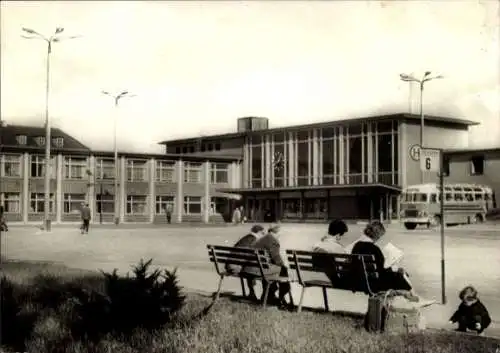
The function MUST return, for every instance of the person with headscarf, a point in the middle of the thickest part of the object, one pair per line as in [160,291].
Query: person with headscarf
[388,278]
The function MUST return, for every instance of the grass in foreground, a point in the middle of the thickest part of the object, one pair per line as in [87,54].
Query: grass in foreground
[234,327]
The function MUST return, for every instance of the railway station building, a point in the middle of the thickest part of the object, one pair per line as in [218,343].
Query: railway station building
[352,168]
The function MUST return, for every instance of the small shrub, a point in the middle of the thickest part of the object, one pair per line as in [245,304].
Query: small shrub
[146,300]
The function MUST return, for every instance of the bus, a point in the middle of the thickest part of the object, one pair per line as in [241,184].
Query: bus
[463,204]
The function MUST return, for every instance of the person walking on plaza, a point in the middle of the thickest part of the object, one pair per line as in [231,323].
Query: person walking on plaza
[168,213]
[236,216]
[86,216]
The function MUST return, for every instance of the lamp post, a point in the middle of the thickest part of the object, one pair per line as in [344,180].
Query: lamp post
[54,38]
[116,99]
[427,77]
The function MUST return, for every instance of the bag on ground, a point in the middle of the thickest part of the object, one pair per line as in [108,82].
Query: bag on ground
[394,312]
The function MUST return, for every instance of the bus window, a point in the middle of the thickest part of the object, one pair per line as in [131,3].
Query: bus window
[478,196]
[421,197]
[459,196]
[433,198]
[448,196]
[469,197]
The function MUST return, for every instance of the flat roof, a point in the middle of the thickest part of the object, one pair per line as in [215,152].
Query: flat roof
[398,116]
[473,150]
[167,156]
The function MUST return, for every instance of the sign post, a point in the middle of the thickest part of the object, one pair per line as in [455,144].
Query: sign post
[431,160]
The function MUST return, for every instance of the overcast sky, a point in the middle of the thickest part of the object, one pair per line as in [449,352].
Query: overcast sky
[198,66]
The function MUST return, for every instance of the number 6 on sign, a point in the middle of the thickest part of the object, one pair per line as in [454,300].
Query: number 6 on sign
[430,160]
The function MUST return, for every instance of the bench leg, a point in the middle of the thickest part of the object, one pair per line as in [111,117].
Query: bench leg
[243,287]
[325,299]
[219,288]
[299,309]
[266,286]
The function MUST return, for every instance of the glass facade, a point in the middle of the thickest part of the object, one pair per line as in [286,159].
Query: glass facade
[353,154]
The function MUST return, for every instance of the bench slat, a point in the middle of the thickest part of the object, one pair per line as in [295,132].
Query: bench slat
[237,262]
[307,258]
[233,249]
[240,256]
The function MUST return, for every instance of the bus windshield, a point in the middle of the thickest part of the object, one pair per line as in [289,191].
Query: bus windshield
[415,197]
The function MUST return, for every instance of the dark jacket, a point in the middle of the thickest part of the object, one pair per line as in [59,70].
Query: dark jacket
[270,243]
[470,314]
[387,278]
[248,241]
[86,214]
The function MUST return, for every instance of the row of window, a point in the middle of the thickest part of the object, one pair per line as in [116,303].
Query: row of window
[354,157]
[57,142]
[72,203]
[136,170]
[198,147]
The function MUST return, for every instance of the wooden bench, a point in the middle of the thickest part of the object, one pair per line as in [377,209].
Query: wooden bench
[244,257]
[349,272]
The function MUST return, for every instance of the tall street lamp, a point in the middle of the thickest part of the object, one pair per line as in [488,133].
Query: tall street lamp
[116,99]
[54,38]
[427,77]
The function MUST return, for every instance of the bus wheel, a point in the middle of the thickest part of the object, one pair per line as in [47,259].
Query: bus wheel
[436,221]
[478,219]
[410,226]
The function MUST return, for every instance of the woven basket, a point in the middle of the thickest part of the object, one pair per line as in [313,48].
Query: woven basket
[403,315]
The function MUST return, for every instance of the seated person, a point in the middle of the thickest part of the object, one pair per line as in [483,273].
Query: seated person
[330,244]
[367,245]
[248,241]
[270,242]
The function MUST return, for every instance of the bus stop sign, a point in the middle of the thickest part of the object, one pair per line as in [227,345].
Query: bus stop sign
[415,152]
[430,160]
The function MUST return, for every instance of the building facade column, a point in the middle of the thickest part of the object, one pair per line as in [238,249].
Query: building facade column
[336,162]
[246,164]
[26,187]
[179,195]
[320,157]
[152,190]
[206,192]
[291,159]
[341,155]
[267,161]
[91,179]
[402,155]
[122,197]
[315,158]
[59,194]
[375,154]
[369,159]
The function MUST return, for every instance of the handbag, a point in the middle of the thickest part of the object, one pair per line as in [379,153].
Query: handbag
[394,312]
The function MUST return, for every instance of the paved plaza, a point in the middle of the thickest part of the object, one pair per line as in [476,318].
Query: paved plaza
[472,257]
